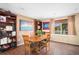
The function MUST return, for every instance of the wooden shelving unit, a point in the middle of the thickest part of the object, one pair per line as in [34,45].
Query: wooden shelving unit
[7,30]
[38,26]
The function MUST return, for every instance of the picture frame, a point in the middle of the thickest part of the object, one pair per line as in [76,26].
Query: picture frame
[45,25]
[26,25]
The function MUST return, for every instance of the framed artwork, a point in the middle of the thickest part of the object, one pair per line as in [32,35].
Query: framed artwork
[45,25]
[26,25]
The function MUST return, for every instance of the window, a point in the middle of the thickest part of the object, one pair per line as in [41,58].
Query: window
[61,27]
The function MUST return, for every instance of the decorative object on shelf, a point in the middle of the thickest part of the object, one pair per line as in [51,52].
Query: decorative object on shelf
[13,45]
[3,41]
[4,33]
[13,33]
[9,40]
[2,19]
[39,27]
[9,28]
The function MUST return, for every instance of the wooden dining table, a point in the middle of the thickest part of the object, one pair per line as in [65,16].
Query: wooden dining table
[37,39]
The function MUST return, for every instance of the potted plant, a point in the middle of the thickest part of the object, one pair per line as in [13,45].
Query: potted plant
[39,32]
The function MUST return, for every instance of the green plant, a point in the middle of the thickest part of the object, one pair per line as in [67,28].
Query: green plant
[39,32]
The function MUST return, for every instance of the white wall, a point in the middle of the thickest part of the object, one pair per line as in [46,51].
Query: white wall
[20,33]
[71,39]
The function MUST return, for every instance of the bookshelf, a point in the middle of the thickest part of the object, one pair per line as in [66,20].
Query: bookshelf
[38,26]
[7,30]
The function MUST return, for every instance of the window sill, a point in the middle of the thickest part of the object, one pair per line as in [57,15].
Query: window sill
[63,35]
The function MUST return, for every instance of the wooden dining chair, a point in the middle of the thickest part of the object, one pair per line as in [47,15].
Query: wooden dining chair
[45,42]
[35,49]
[48,44]
[26,39]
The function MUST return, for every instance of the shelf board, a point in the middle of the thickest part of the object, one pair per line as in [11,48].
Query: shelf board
[7,22]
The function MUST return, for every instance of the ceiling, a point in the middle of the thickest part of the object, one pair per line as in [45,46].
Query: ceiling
[42,10]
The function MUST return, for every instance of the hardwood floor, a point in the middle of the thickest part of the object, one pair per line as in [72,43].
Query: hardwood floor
[55,49]
[16,51]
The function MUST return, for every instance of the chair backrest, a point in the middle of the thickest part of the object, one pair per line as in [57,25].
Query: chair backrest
[47,35]
[26,38]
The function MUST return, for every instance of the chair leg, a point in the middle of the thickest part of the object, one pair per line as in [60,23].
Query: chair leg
[25,51]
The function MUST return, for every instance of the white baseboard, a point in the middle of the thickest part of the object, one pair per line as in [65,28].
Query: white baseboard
[20,44]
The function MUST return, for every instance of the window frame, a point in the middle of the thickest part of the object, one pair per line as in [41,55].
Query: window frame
[61,28]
